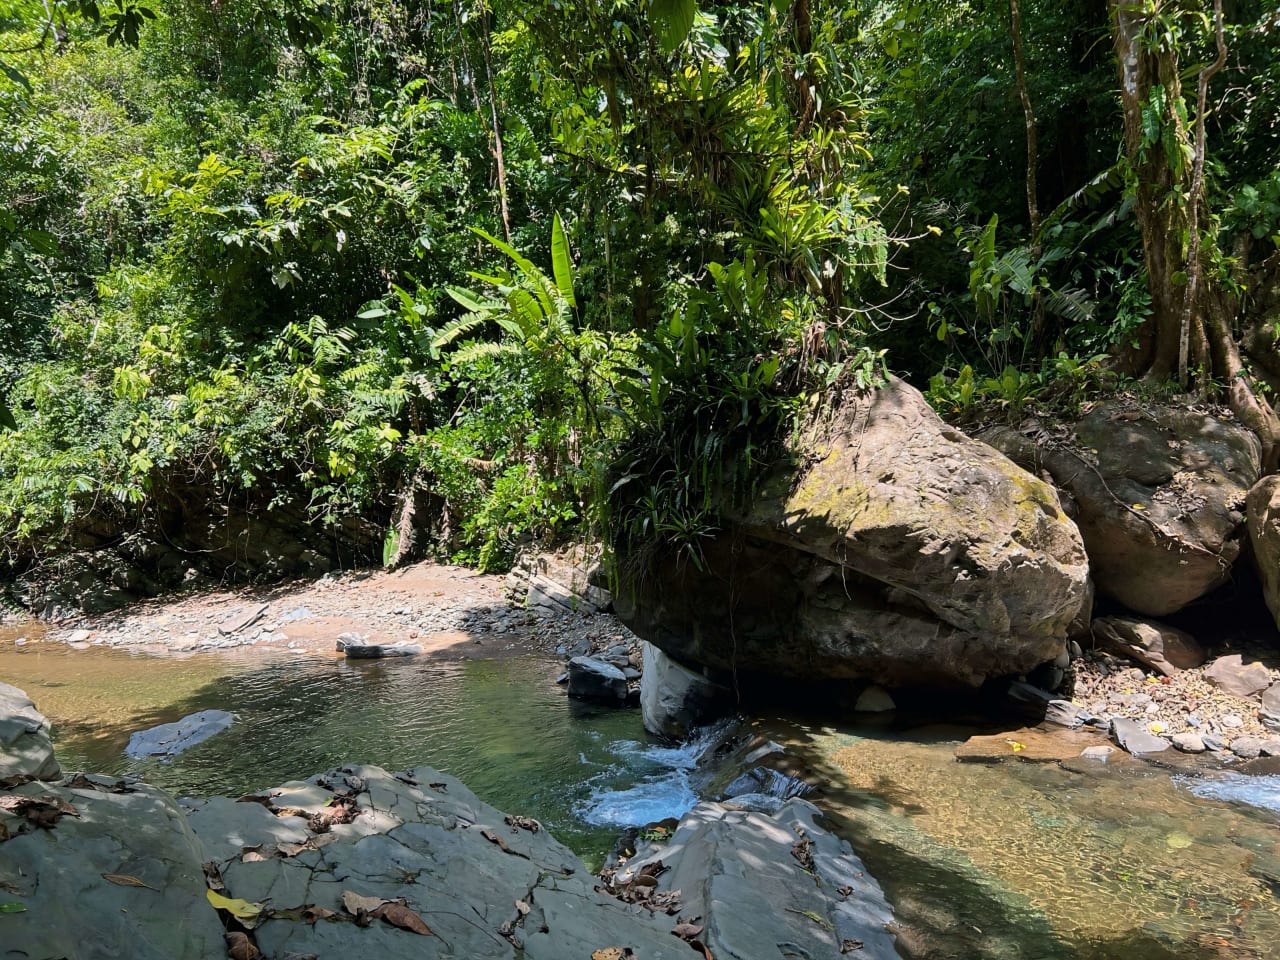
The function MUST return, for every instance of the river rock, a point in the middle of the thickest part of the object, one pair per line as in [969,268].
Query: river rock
[1237,678]
[1247,748]
[1263,510]
[1163,648]
[1027,744]
[1100,753]
[170,739]
[675,699]
[1135,738]
[893,549]
[874,699]
[154,909]
[592,679]
[25,746]
[1189,742]
[1269,713]
[1157,491]
[767,886]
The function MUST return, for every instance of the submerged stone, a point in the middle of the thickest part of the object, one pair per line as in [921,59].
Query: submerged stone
[170,739]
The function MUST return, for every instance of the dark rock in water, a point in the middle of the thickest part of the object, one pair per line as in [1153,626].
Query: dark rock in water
[379,651]
[674,699]
[769,782]
[1135,738]
[897,551]
[25,746]
[592,679]
[758,880]
[170,739]
[1156,645]
[1157,494]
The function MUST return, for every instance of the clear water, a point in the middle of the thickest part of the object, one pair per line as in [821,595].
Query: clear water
[501,726]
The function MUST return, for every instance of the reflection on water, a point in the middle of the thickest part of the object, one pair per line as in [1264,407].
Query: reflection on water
[1033,860]
[501,726]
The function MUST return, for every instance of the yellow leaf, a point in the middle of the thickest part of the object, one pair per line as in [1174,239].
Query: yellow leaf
[1138,506]
[1156,727]
[1017,747]
[240,909]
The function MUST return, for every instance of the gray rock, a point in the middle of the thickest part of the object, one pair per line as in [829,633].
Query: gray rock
[1189,742]
[874,699]
[1213,742]
[25,747]
[1135,738]
[170,739]
[1263,510]
[592,679]
[759,881]
[1160,647]
[1271,703]
[1239,679]
[675,699]
[133,831]
[1230,721]
[1247,748]
[899,551]
[1066,714]
[1190,473]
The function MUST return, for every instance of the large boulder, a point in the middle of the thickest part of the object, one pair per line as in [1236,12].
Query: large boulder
[1159,646]
[1262,507]
[893,548]
[675,699]
[1157,491]
[593,679]
[25,747]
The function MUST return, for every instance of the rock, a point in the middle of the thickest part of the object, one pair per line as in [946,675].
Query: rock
[1247,748]
[1163,648]
[1135,738]
[25,746]
[592,679]
[156,910]
[758,880]
[1262,508]
[1233,676]
[1026,744]
[1271,747]
[1213,742]
[1101,753]
[1231,721]
[874,699]
[379,651]
[898,551]
[1157,493]
[170,739]
[675,699]
[1188,742]
[1064,713]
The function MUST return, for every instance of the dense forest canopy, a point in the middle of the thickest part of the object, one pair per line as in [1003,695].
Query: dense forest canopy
[493,271]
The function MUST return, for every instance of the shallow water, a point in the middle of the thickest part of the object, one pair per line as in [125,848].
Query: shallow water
[1021,860]
[501,726]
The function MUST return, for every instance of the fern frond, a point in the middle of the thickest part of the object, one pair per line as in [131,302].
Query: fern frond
[474,351]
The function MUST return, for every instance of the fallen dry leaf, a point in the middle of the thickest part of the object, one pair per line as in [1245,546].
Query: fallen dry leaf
[522,908]
[524,823]
[848,946]
[613,953]
[357,903]
[41,812]
[242,910]
[213,876]
[17,780]
[802,850]
[399,915]
[687,930]
[240,947]
[311,913]
[125,880]
[293,849]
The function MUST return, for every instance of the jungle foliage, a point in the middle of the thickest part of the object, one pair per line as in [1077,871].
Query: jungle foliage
[552,266]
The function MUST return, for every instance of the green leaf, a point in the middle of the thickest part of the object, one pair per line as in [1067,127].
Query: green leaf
[671,21]
[17,76]
[561,262]
[12,906]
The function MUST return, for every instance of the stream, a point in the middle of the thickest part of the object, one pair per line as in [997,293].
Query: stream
[1005,861]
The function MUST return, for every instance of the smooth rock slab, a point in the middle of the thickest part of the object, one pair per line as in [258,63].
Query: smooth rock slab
[675,699]
[170,739]
[25,747]
[73,911]
[1026,744]
[1135,738]
[758,881]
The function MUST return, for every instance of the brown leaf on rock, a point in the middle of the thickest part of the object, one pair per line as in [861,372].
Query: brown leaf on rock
[240,947]
[688,930]
[213,876]
[613,953]
[81,782]
[522,908]
[702,948]
[258,853]
[357,784]
[802,850]
[848,946]
[524,823]
[399,915]
[17,780]
[404,777]
[357,904]
[311,913]
[41,812]
[502,844]
[126,880]
[287,849]
[256,798]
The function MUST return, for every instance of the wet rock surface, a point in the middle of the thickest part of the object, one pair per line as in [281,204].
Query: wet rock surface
[674,699]
[170,739]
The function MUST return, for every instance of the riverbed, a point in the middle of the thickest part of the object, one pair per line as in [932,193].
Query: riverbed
[1006,861]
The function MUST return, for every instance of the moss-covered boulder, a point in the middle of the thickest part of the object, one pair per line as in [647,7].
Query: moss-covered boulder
[893,548]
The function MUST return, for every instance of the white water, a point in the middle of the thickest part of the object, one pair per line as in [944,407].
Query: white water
[1259,791]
